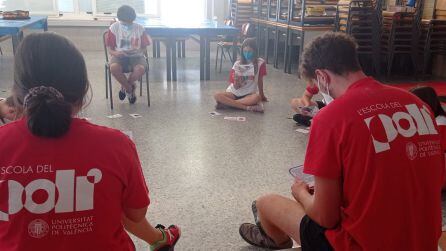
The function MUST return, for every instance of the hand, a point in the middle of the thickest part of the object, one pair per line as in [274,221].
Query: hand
[119,54]
[298,188]
[264,98]
[6,111]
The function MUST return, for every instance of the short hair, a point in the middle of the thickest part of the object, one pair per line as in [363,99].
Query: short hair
[333,51]
[126,13]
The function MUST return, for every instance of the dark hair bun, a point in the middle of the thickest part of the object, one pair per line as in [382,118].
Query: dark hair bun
[47,112]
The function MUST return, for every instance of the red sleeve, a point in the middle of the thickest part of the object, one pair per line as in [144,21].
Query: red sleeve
[136,193]
[110,39]
[145,40]
[312,89]
[262,70]
[323,156]
[231,76]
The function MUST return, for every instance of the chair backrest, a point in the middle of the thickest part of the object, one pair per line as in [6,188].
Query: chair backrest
[247,31]
[104,42]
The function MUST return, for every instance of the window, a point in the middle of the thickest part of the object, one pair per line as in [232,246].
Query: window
[170,10]
[36,6]
[184,11]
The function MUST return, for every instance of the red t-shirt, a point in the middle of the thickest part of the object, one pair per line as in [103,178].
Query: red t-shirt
[384,146]
[441,122]
[312,89]
[67,193]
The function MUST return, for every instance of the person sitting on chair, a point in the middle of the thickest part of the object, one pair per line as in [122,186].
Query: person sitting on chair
[127,42]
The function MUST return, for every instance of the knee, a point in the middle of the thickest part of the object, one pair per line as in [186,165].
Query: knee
[295,102]
[217,96]
[257,98]
[140,69]
[266,200]
[115,68]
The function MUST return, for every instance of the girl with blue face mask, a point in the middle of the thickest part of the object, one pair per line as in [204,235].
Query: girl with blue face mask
[245,91]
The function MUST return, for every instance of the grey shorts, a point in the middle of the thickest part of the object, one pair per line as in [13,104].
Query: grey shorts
[128,63]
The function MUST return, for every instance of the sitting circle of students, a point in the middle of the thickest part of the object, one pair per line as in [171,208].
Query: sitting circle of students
[376,187]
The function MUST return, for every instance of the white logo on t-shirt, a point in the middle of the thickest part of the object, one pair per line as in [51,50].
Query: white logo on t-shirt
[38,228]
[419,121]
[411,151]
[65,184]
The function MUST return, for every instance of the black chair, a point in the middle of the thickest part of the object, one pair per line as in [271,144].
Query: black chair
[108,75]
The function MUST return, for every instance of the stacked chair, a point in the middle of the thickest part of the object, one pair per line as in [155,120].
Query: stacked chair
[400,36]
[432,42]
[359,19]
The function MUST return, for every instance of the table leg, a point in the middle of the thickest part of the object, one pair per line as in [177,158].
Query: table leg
[202,57]
[208,59]
[45,25]
[174,58]
[15,42]
[234,50]
[168,59]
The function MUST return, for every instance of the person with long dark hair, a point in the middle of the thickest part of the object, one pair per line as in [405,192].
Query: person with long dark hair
[246,79]
[67,184]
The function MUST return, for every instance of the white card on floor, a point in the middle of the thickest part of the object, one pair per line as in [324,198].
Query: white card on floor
[231,118]
[114,116]
[304,131]
[135,115]
[241,119]
[215,113]
[129,134]
[87,119]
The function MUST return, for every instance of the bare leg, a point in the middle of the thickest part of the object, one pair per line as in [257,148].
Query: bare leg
[252,99]
[136,74]
[117,72]
[143,230]
[280,217]
[228,99]
[297,102]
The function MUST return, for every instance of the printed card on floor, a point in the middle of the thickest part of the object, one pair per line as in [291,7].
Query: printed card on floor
[215,114]
[135,115]
[298,172]
[231,118]
[129,134]
[241,119]
[114,116]
[304,131]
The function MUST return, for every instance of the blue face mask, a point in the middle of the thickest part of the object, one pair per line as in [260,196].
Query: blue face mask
[248,55]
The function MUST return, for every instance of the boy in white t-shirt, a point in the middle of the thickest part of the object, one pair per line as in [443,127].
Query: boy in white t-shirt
[127,42]
[246,79]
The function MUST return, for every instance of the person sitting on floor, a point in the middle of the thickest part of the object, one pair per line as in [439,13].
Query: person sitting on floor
[7,110]
[127,42]
[305,108]
[246,79]
[67,184]
[377,187]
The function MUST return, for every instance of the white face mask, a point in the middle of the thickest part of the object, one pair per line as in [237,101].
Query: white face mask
[327,98]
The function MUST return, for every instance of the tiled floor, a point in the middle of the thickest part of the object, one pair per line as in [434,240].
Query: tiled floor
[203,172]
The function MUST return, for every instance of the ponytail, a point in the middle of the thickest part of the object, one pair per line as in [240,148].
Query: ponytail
[47,112]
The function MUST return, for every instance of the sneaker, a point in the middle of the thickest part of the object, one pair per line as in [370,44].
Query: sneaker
[122,94]
[170,238]
[256,108]
[302,119]
[131,97]
[251,233]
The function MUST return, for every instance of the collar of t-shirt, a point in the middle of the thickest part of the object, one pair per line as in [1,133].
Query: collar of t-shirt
[360,82]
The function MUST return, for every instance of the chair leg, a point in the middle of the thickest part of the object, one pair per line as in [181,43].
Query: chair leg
[148,86]
[221,58]
[140,87]
[216,58]
[1,51]
[179,48]
[183,49]
[110,89]
[154,49]
[106,82]
[158,49]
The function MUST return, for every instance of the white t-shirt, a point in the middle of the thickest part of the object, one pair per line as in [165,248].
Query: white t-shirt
[246,77]
[128,37]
